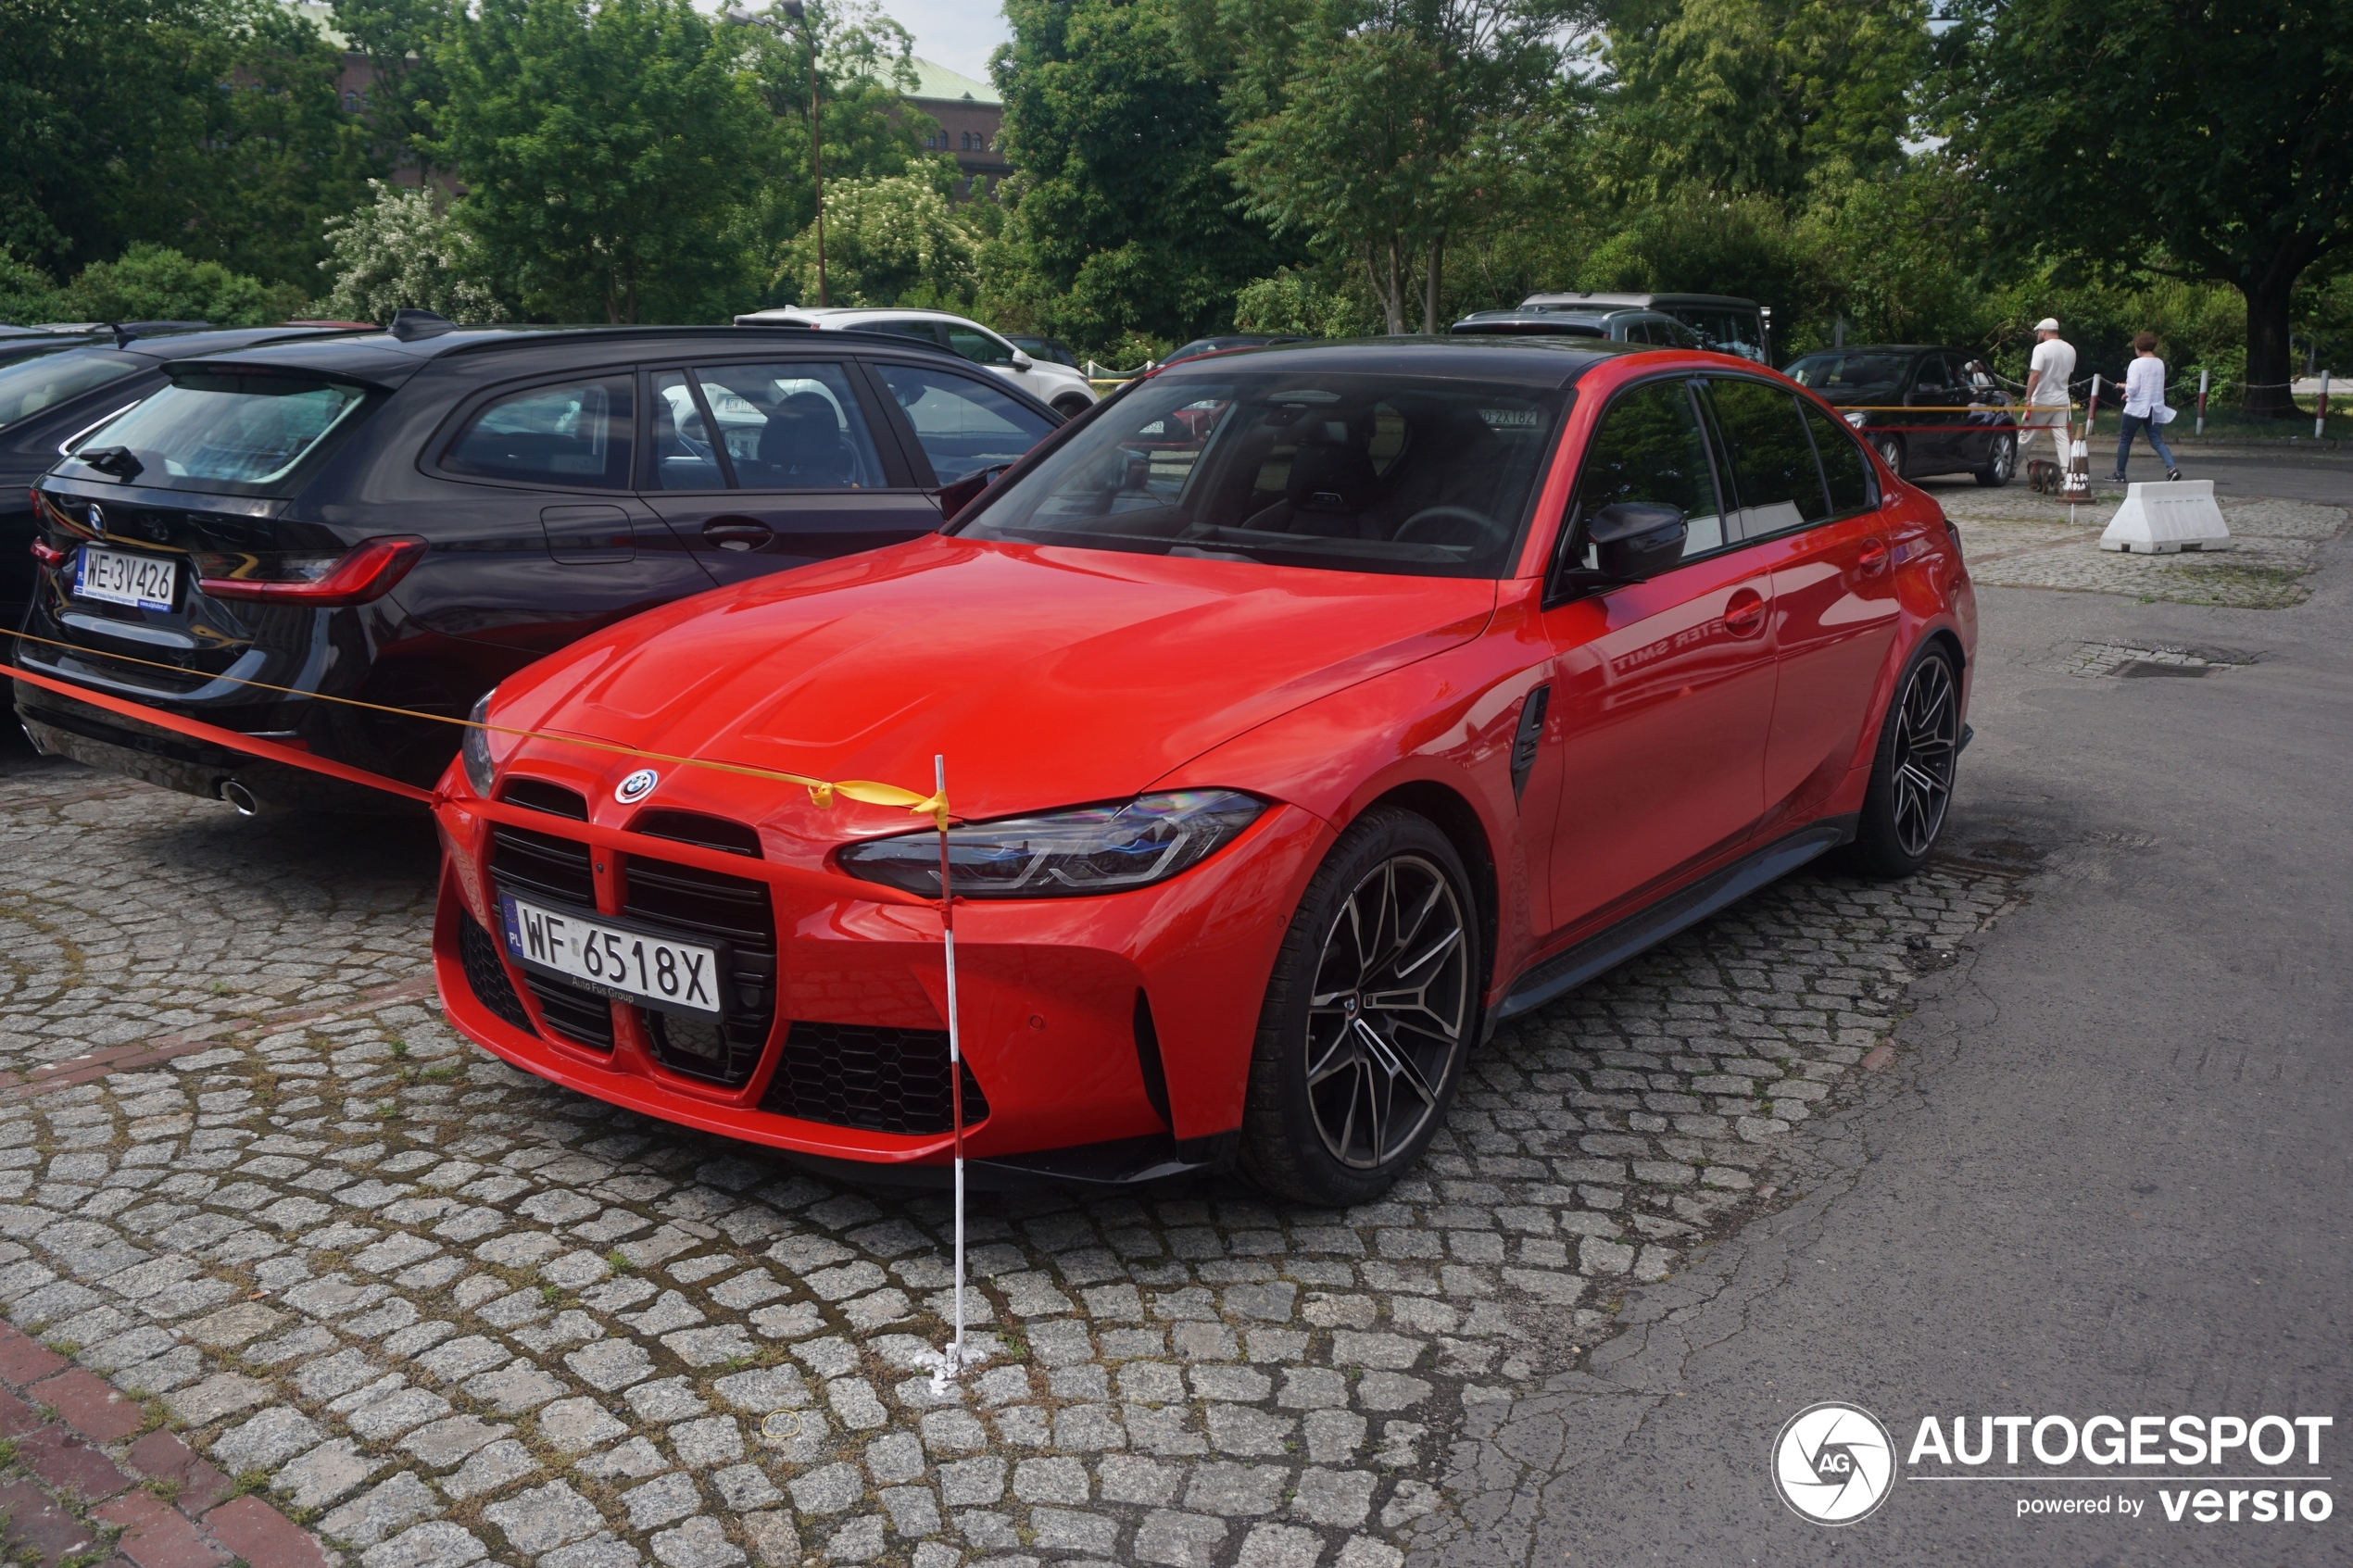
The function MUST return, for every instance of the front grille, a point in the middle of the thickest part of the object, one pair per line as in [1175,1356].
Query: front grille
[878,1079]
[524,863]
[486,975]
[694,904]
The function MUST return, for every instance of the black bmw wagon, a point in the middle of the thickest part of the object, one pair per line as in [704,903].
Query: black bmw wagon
[406,518]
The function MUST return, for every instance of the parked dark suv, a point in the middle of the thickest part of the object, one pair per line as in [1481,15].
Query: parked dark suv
[406,518]
[54,387]
[1925,410]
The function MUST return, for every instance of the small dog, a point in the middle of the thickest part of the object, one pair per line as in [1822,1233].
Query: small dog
[2045,477]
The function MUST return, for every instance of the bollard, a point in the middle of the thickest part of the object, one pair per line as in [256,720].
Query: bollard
[2202,377]
[2321,409]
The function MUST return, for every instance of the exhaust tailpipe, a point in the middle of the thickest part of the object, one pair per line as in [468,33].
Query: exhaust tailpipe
[238,796]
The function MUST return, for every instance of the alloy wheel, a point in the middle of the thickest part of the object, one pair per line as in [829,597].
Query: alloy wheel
[2005,461]
[1927,744]
[1891,452]
[1391,1010]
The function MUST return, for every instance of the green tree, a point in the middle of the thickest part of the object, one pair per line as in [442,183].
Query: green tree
[886,239]
[608,148]
[1377,128]
[400,250]
[403,40]
[1295,302]
[156,283]
[1757,96]
[2195,140]
[1114,124]
[27,294]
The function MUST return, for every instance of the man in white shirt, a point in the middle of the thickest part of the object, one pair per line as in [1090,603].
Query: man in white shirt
[2046,397]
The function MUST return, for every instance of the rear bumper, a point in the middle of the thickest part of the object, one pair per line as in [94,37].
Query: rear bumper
[1110,1037]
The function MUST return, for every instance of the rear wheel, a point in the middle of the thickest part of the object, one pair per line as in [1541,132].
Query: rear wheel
[1368,1016]
[2001,463]
[1891,452]
[1071,406]
[1912,774]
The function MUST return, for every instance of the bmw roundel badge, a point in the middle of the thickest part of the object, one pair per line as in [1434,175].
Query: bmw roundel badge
[97,518]
[637,787]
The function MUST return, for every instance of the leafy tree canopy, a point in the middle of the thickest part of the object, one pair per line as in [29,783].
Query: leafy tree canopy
[401,251]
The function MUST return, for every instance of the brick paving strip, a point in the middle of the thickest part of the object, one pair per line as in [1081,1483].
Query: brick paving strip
[296,1241]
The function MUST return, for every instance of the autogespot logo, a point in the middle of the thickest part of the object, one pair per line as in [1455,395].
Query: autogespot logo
[637,787]
[1834,1463]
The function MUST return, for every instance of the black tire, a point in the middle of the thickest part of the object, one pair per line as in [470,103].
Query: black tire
[2001,463]
[1891,452]
[1071,406]
[1332,1072]
[1912,771]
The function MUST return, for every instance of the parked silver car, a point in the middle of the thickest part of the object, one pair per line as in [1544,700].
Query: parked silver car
[1060,387]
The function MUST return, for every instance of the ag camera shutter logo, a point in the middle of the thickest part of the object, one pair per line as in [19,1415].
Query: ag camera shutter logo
[1834,1463]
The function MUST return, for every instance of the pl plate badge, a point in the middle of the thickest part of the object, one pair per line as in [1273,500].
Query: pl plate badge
[1834,1464]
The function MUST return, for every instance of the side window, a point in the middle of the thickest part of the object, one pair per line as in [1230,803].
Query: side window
[1933,385]
[1772,461]
[1844,468]
[924,330]
[963,424]
[573,434]
[791,427]
[978,347]
[1665,329]
[1649,448]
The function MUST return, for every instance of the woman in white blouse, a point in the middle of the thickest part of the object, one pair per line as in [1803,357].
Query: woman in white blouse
[2144,407]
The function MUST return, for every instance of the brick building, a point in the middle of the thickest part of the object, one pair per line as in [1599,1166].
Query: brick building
[970,115]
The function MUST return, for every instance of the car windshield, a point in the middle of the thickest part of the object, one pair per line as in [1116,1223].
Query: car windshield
[1839,374]
[224,433]
[1417,476]
[29,387]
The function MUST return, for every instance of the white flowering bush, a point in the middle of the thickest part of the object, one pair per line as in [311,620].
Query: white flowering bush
[398,253]
[885,238]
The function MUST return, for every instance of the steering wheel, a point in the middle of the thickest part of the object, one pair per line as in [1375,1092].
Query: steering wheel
[1495,531]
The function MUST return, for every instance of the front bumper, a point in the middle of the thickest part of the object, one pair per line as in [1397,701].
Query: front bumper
[1107,1038]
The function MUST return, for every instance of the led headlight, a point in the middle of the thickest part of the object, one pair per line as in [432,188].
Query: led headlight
[1854,420]
[1063,854]
[479,750]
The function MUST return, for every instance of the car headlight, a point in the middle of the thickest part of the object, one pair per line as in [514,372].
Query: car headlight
[1854,420]
[479,750]
[1063,854]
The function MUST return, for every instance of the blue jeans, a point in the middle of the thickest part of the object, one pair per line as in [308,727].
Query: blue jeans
[2135,423]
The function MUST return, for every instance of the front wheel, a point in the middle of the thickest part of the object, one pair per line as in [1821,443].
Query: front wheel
[1071,406]
[1891,452]
[1912,772]
[2001,463]
[1368,1016]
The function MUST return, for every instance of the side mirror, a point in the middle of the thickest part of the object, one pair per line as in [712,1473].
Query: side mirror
[955,498]
[1022,361]
[1636,540]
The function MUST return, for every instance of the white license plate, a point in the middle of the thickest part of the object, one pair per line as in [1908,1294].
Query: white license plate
[115,577]
[613,961]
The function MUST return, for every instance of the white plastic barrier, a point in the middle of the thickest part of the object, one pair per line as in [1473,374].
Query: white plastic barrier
[2160,518]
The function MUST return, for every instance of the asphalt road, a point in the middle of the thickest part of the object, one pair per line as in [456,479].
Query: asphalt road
[2105,1172]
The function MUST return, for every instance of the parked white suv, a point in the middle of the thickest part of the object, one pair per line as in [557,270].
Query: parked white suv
[1059,387]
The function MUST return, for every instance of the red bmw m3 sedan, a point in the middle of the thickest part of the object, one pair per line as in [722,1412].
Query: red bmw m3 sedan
[1307,711]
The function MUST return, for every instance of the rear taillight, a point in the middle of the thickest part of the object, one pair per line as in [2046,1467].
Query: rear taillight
[366,572]
[48,555]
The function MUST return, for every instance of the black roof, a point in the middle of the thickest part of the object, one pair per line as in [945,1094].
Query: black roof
[1530,361]
[381,358]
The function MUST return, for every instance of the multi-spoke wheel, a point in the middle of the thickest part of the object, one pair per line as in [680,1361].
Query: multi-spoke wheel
[1373,1002]
[1911,784]
[2001,463]
[1891,452]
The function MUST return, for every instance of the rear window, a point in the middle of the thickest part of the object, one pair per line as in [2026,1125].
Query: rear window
[1416,476]
[231,434]
[33,386]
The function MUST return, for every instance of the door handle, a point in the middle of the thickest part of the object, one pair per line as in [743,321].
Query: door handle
[1872,557]
[1744,613]
[737,532]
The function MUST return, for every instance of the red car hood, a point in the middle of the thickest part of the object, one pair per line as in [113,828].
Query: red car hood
[1046,676]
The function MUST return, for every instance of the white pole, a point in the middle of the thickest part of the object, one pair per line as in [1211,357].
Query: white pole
[2202,375]
[2321,410]
[953,1362]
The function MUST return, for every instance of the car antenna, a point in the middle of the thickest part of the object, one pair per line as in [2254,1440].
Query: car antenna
[409,325]
[123,336]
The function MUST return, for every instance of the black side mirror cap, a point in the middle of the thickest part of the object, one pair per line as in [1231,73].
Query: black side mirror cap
[954,498]
[1636,540]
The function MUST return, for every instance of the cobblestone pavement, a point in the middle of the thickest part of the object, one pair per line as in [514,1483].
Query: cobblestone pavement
[2015,538]
[443,1314]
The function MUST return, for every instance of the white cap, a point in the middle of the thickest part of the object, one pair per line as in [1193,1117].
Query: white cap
[2047,324]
